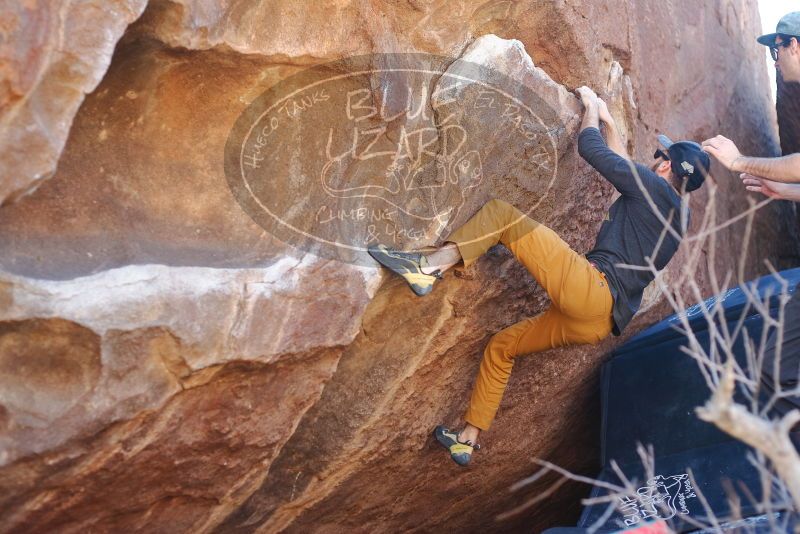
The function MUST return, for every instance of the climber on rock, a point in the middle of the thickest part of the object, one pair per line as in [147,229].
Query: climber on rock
[775,177]
[592,295]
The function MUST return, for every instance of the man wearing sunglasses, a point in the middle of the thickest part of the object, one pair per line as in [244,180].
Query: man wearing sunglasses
[591,295]
[774,177]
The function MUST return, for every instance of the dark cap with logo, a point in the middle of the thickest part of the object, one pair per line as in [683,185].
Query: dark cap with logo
[688,161]
[788,25]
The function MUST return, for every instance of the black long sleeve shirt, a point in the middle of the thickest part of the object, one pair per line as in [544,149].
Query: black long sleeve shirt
[631,230]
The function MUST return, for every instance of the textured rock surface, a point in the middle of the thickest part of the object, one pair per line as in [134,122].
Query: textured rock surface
[51,54]
[82,353]
[166,365]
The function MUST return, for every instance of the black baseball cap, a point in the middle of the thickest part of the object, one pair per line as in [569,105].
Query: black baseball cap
[788,25]
[688,161]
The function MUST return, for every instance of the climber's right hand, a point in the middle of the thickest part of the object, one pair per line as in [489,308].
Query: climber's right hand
[602,109]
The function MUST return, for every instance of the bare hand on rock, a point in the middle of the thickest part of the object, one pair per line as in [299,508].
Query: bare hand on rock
[604,114]
[587,96]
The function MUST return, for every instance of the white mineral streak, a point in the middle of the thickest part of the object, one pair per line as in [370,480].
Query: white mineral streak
[223,314]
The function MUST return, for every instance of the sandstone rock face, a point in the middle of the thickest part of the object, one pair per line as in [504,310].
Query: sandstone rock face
[168,364]
[51,55]
[82,353]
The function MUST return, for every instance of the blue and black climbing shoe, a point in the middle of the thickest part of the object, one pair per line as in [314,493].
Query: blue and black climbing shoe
[408,265]
[460,452]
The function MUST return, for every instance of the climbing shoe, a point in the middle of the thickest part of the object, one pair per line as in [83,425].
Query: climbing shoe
[460,452]
[408,265]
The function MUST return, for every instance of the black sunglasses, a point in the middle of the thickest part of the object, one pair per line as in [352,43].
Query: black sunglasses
[773,50]
[660,154]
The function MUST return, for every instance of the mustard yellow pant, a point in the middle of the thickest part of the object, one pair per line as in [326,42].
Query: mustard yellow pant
[581,302]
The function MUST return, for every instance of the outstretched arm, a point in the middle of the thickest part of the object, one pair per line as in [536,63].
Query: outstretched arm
[770,188]
[613,138]
[785,169]
[614,167]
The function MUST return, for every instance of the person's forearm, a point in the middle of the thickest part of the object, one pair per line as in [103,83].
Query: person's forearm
[792,194]
[591,118]
[614,139]
[785,169]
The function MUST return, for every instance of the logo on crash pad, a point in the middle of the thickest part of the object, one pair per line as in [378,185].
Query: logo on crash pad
[663,498]
[389,148]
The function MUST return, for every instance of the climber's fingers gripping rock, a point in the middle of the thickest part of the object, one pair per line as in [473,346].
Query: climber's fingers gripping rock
[587,96]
